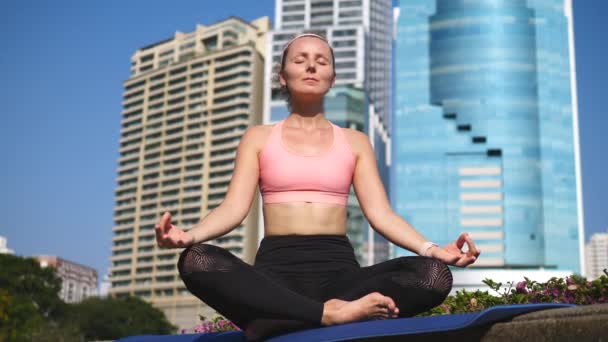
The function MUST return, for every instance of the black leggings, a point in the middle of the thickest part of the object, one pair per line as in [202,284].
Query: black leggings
[293,275]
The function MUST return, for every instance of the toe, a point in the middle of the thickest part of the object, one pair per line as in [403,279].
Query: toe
[389,303]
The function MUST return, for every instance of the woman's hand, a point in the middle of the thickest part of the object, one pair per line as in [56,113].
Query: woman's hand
[169,236]
[452,254]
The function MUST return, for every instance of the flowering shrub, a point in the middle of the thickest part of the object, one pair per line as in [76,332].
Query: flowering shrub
[573,290]
[217,324]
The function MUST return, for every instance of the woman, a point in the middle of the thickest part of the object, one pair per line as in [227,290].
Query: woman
[305,272]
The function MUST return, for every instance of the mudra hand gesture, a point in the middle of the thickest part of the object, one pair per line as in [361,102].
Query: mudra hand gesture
[452,254]
[169,236]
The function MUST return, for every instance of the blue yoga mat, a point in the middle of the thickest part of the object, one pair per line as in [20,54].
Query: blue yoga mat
[367,329]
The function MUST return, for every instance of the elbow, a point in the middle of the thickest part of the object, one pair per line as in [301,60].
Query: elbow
[381,217]
[236,213]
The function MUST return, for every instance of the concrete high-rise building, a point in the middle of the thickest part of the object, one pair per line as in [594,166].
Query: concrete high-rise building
[78,282]
[360,31]
[485,134]
[596,255]
[186,105]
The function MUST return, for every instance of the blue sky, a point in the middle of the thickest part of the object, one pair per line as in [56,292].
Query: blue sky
[62,64]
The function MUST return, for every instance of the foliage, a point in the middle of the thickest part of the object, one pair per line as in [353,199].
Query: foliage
[573,290]
[31,310]
[27,282]
[30,306]
[113,318]
[218,323]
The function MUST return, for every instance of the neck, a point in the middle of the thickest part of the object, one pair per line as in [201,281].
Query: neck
[307,122]
[307,114]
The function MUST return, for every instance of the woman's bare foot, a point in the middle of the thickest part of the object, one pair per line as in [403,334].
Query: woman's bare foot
[371,306]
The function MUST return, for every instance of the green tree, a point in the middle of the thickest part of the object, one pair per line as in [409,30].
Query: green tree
[31,310]
[30,307]
[113,318]
[19,317]
[25,280]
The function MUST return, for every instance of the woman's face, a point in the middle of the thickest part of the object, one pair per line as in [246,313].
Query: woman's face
[308,68]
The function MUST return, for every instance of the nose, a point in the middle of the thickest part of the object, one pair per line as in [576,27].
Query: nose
[311,66]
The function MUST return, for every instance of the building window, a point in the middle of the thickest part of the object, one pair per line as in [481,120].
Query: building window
[186,46]
[210,43]
[146,58]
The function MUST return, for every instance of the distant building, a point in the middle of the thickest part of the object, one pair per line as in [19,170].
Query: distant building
[596,254]
[187,104]
[106,284]
[485,134]
[3,247]
[78,281]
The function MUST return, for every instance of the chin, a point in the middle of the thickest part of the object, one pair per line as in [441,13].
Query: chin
[313,92]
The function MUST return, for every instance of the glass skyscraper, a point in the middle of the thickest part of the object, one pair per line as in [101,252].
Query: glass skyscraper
[485,133]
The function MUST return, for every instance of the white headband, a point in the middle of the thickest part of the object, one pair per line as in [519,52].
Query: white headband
[300,36]
[304,35]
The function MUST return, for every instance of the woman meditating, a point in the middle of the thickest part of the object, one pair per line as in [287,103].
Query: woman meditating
[305,272]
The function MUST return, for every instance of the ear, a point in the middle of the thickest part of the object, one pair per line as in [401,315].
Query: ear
[282,79]
[333,81]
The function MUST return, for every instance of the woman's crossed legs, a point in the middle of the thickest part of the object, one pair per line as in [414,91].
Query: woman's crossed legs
[265,306]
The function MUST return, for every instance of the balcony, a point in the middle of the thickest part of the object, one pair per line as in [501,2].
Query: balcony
[235,70]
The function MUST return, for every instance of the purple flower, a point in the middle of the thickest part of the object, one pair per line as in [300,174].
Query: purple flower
[521,287]
[204,327]
[570,297]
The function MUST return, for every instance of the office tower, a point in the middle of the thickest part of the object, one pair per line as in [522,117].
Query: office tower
[360,31]
[78,282]
[187,104]
[485,134]
[596,255]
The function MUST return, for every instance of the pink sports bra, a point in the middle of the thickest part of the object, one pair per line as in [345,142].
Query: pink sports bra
[287,176]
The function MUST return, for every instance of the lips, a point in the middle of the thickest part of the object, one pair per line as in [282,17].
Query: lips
[311,79]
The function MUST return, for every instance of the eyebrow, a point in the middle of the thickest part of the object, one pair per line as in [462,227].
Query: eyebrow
[303,53]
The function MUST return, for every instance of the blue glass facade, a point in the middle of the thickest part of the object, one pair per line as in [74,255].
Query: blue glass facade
[482,139]
[348,106]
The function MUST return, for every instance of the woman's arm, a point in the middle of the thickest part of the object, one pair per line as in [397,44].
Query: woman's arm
[374,202]
[376,208]
[239,198]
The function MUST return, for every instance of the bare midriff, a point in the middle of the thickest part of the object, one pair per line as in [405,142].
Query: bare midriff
[304,218]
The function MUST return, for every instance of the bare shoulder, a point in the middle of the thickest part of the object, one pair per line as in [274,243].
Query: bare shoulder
[255,136]
[357,140]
